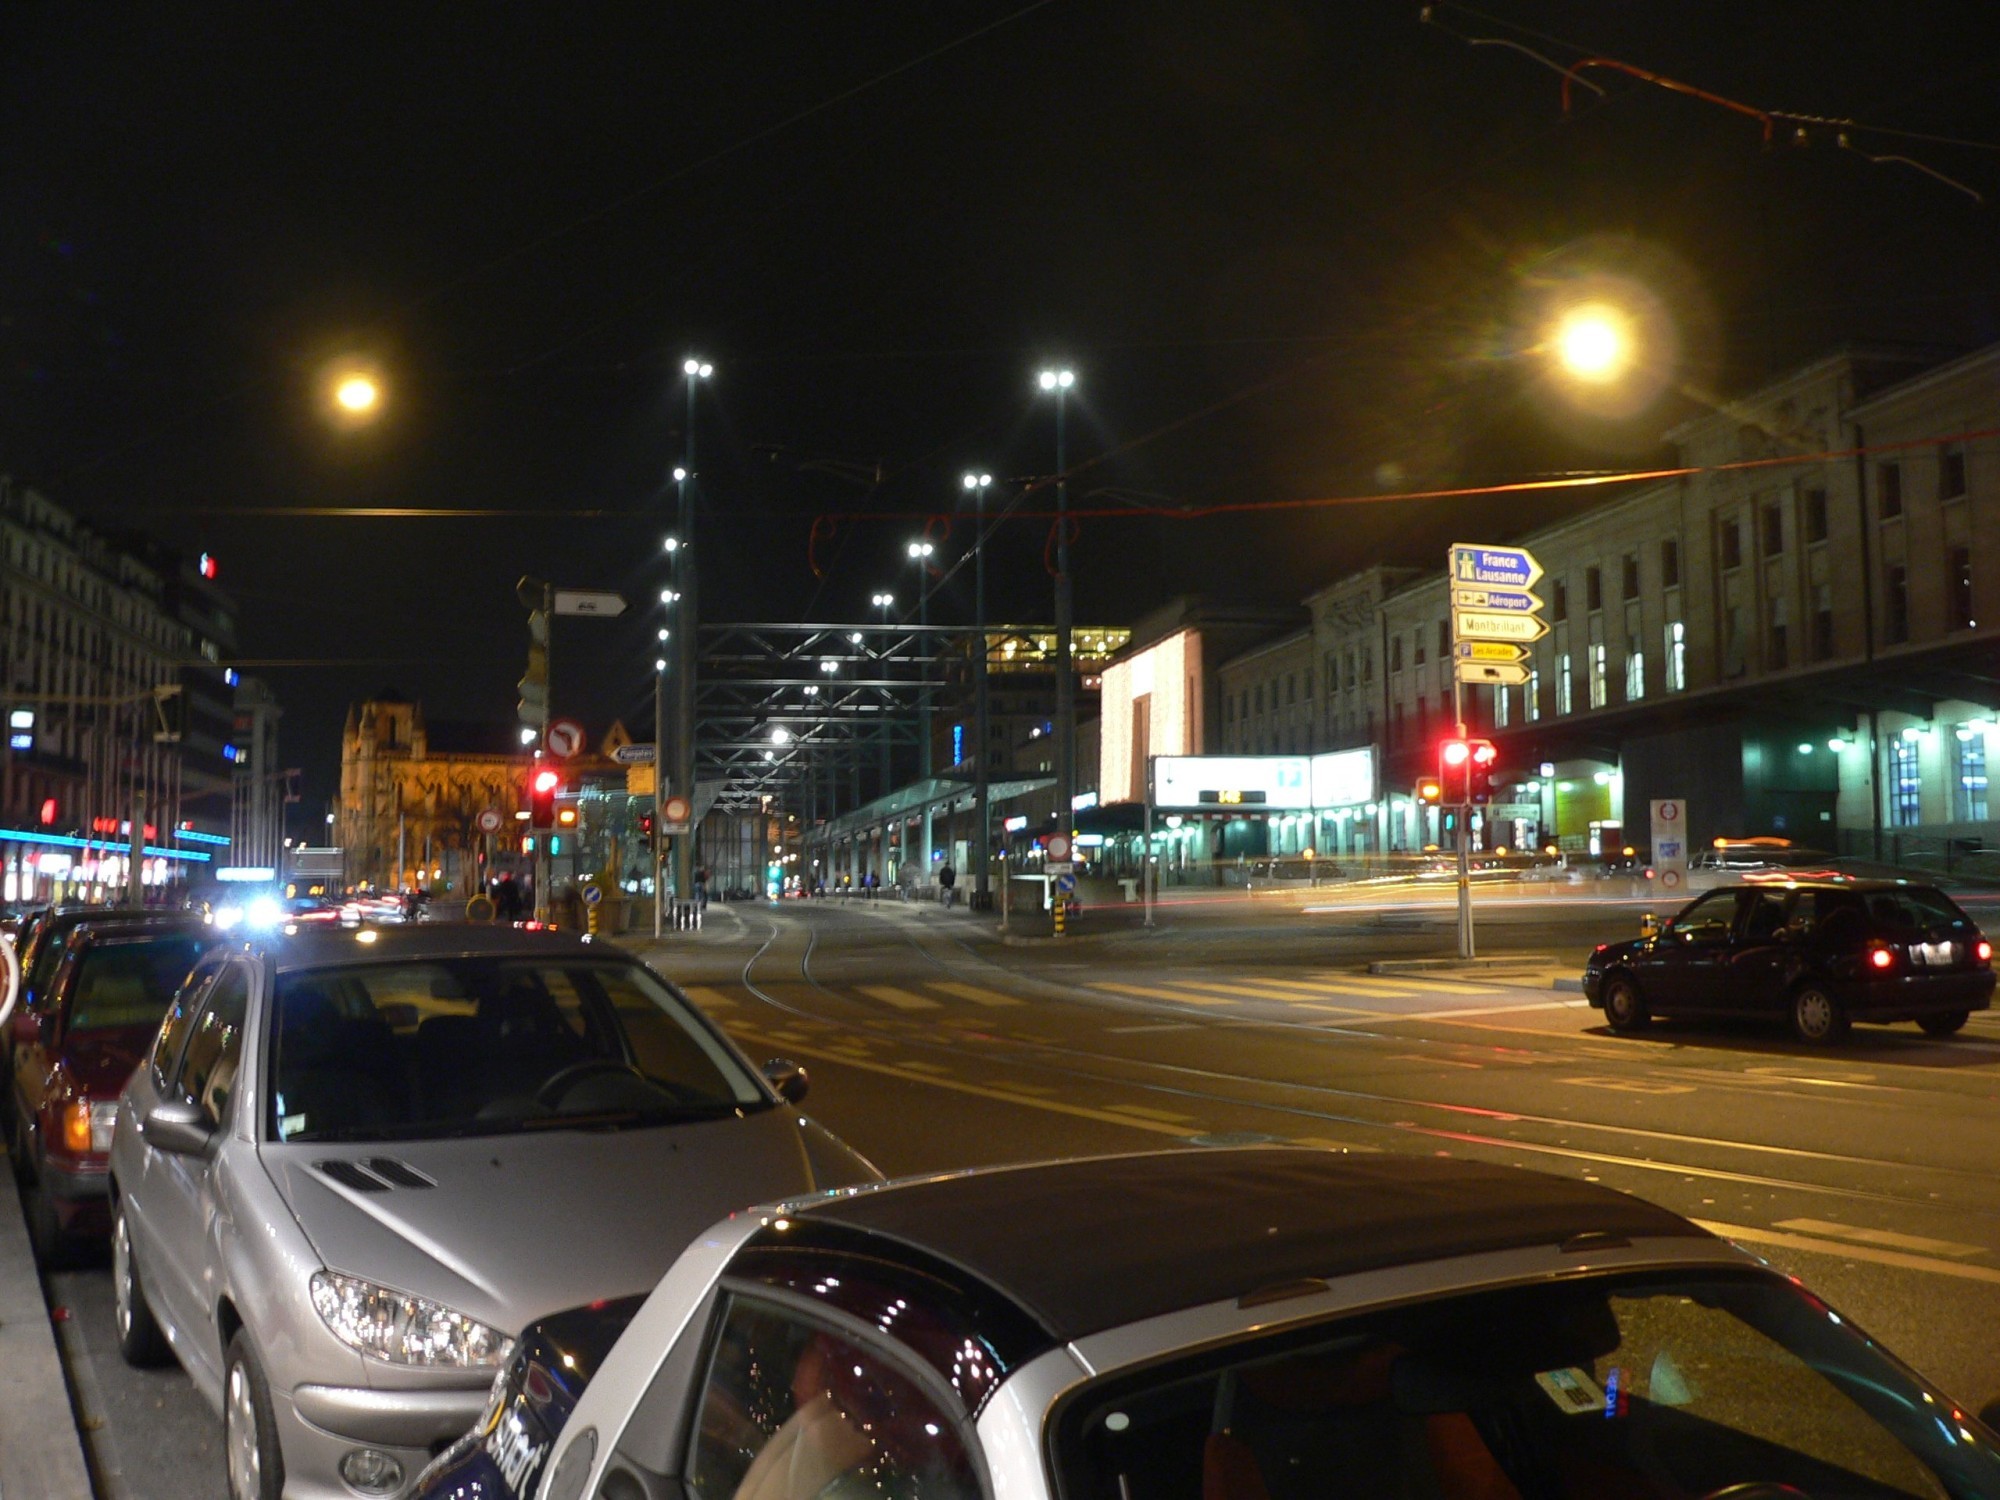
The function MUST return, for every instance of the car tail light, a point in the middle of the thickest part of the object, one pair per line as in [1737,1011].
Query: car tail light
[1881,958]
[1983,951]
[87,1125]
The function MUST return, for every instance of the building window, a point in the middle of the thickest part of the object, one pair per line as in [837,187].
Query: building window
[1677,658]
[1774,529]
[1815,516]
[1395,653]
[1593,589]
[1631,575]
[1309,686]
[1260,697]
[1958,587]
[1951,472]
[1600,686]
[1732,640]
[1905,784]
[1558,601]
[1562,686]
[1888,490]
[1417,645]
[1531,697]
[1503,698]
[1635,670]
[1423,719]
[1347,670]
[1291,688]
[1969,787]
[1444,638]
[1778,654]
[1368,666]
[1732,544]
[1822,622]
[1670,563]
[1895,604]
[1396,724]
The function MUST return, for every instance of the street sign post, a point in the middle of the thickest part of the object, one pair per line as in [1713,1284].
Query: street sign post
[1509,567]
[563,738]
[675,815]
[1492,673]
[599,602]
[490,820]
[1489,651]
[1489,625]
[636,755]
[1669,851]
[1513,601]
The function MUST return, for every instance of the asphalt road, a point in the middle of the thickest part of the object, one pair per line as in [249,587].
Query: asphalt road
[1867,1171]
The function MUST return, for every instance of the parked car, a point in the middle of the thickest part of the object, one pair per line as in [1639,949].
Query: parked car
[1821,953]
[1235,1325]
[75,1045]
[359,1162]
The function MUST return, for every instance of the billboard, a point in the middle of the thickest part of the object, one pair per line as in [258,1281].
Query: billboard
[1226,783]
[1344,778]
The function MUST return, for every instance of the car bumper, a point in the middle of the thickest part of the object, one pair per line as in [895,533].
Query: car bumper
[1593,987]
[1915,995]
[81,1195]
[322,1424]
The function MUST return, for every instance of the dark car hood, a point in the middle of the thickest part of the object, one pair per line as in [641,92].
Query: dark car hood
[102,1061]
[519,1226]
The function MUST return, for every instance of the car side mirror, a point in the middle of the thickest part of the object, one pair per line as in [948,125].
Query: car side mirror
[178,1127]
[788,1078]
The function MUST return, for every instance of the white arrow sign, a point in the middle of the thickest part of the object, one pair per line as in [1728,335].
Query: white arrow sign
[1493,673]
[1481,625]
[599,602]
[1511,600]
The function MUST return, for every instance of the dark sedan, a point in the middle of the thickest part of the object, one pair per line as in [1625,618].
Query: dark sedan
[1822,954]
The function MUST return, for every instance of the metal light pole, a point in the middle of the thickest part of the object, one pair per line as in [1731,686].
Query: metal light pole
[1060,382]
[684,653]
[982,889]
[883,604]
[920,554]
[658,847]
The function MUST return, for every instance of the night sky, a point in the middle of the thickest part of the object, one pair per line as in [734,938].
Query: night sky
[1292,250]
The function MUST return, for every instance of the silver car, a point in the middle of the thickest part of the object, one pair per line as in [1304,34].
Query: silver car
[357,1163]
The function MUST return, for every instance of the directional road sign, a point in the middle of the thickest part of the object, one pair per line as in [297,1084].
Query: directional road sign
[1484,625]
[564,738]
[1514,601]
[592,894]
[636,755]
[490,820]
[599,602]
[674,813]
[1509,567]
[1066,883]
[1493,673]
[1489,651]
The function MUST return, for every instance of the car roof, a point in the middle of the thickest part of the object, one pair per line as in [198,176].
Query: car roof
[117,931]
[1821,883]
[1172,1230]
[317,947]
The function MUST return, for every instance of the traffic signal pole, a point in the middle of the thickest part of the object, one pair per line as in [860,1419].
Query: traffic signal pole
[1466,946]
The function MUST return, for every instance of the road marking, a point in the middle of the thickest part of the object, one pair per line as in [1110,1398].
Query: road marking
[1631,1085]
[1328,986]
[1835,1248]
[974,993]
[1323,1143]
[1145,993]
[888,994]
[1258,991]
[1146,1113]
[925,1067]
[1397,984]
[708,997]
[1442,1062]
[1014,1086]
[1889,1237]
[1474,1010]
[1151,1026]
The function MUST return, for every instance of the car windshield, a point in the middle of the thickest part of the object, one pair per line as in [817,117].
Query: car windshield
[1640,1386]
[481,1045]
[130,981]
[1916,908]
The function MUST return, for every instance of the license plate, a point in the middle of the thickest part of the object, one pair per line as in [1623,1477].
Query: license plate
[1934,955]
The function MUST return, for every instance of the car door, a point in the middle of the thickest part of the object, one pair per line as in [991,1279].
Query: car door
[178,1188]
[38,1038]
[1765,951]
[1689,970]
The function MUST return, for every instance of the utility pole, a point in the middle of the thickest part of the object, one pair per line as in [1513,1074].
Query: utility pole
[686,613]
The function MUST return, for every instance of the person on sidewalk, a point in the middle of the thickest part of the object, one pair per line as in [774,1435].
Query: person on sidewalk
[947,883]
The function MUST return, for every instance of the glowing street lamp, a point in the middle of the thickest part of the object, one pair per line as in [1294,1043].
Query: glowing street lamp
[976,485]
[1593,343]
[1059,382]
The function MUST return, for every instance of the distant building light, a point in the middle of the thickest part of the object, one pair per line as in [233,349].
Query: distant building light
[20,742]
[208,568]
[21,718]
[229,753]
[231,676]
[1082,800]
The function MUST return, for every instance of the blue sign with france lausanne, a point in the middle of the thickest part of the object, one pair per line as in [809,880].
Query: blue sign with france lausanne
[1510,567]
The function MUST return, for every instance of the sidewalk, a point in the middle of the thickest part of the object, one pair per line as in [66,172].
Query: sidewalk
[41,1454]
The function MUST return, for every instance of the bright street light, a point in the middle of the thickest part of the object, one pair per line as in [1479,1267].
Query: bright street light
[669,596]
[880,601]
[357,394]
[680,474]
[663,632]
[978,481]
[781,736]
[1052,380]
[659,664]
[1593,341]
[527,734]
[700,369]
[673,544]
[921,549]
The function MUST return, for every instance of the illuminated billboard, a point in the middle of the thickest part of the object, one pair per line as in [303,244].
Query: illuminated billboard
[1151,706]
[1344,778]
[1225,783]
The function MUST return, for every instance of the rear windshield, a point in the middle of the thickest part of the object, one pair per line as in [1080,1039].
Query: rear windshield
[482,1046]
[131,981]
[1916,908]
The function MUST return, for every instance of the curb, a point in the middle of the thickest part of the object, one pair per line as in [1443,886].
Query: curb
[41,1454]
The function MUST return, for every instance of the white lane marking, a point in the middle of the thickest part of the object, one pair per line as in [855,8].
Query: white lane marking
[1145,992]
[1471,1010]
[974,993]
[888,994]
[1631,1085]
[1152,1026]
[1916,1243]
[1750,1235]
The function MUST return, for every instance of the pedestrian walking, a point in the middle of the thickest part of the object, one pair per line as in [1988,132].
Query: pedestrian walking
[947,883]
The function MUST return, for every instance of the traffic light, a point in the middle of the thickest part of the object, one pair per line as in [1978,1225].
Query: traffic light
[1430,791]
[533,707]
[542,786]
[566,817]
[1479,771]
[1465,767]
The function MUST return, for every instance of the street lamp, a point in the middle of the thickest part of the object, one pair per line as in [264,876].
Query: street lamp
[1059,381]
[883,604]
[976,485]
[686,597]
[1594,343]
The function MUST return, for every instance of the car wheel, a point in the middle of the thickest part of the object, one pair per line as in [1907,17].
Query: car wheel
[1945,1022]
[141,1340]
[249,1430]
[1624,1007]
[1817,1017]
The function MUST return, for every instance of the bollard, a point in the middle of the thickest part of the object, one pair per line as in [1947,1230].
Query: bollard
[1649,925]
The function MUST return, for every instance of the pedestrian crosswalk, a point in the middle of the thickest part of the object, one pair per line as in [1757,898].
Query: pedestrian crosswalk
[1322,996]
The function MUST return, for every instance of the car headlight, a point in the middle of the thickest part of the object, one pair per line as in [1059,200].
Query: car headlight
[404,1330]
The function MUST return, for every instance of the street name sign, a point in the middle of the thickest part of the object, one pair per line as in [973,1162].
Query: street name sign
[636,755]
[1514,812]
[1490,651]
[1493,673]
[1509,567]
[1514,601]
[598,602]
[1482,625]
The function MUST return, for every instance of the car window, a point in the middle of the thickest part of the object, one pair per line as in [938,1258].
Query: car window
[215,1046]
[129,982]
[483,1045]
[174,1029]
[1709,920]
[1835,918]
[1639,1386]
[41,965]
[1764,915]
[794,1411]
[1913,909]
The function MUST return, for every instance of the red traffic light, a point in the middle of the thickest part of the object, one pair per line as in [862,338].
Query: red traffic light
[547,781]
[542,798]
[1454,753]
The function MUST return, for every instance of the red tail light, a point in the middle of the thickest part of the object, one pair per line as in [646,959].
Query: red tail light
[1881,958]
[1983,950]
